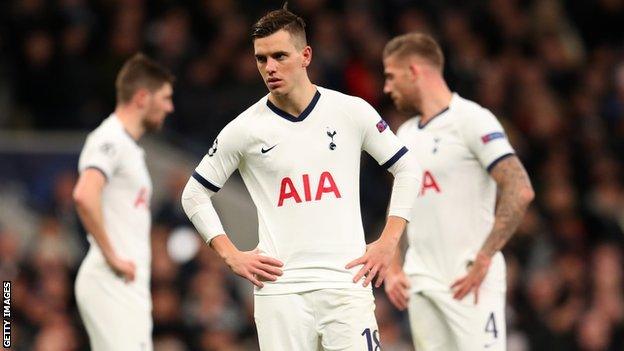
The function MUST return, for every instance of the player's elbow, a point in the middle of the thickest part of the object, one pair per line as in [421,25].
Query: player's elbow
[80,199]
[526,194]
[186,200]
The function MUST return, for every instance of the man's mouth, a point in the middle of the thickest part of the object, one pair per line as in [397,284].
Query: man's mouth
[273,82]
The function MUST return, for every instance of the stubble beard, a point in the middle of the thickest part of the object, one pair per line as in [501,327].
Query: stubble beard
[151,125]
[408,107]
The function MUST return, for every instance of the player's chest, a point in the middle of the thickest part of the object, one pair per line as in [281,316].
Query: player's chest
[286,149]
[438,150]
[132,172]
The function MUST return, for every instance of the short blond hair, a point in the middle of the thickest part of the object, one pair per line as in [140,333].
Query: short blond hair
[419,44]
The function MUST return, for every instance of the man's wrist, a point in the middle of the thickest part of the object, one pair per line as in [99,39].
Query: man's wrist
[394,268]
[390,237]
[393,230]
[223,246]
[484,258]
[109,256]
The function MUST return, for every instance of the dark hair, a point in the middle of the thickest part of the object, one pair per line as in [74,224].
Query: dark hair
[277,20]
[419,44]
[138,72]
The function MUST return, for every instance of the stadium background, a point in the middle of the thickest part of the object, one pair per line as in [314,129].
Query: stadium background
[551,70]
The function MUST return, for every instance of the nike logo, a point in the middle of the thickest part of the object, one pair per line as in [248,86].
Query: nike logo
[264,151]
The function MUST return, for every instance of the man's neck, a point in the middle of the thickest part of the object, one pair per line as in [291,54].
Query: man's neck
[131,121]
[297,100]
[434,100]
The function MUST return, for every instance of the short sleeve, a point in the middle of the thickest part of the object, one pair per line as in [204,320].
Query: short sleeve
[377,138]
[101,153]
[223,157]
[486,138]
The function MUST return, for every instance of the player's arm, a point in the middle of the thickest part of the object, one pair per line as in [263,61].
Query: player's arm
[247,264]
[396,284]
[212,172]
[515,194]
[380,253]
[388,150]
[87,198]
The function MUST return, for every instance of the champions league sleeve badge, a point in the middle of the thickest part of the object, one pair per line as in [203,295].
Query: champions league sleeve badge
[492,136]
[381,125]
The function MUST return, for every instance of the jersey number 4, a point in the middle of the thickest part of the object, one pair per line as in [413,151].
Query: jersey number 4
[490,326]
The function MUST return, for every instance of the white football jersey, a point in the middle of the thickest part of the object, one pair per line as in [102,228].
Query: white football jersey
[303,176]
[125,197]
[454,212]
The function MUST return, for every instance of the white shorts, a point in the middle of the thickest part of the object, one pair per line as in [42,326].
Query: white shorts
[115,316]
[326,319]
[441,323]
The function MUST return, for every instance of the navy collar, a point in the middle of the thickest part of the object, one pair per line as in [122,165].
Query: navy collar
[290,117]
[421,126]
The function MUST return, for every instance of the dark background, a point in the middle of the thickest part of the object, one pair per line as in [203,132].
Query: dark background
[552,71]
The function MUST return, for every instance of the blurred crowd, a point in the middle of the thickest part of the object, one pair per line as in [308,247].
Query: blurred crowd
[551,70]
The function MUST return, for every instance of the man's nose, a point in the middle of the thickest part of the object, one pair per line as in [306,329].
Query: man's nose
[271,65]
[386,88]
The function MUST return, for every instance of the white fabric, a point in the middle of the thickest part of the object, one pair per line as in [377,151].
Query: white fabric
[407,179]
[454,212]
[303,177]
[198,207]
[127,220]
[440,323]
[328,319]
[126,196]
[115,313]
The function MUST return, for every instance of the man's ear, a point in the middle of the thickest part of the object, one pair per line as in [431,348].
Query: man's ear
[414,70]
[141,97]
[307,56]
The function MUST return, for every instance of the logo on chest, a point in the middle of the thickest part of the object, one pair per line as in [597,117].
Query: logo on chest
[429,184]
[326,185]
[436,143]
[141,199]
[331,133]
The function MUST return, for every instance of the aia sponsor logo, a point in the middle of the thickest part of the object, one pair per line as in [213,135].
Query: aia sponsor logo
[141,199]
[326,186]
[429,184]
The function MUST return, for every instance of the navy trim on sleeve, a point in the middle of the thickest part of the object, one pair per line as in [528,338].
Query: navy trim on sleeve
[303,114]
[98,169]
[205,182]
[495,162]
[395,158]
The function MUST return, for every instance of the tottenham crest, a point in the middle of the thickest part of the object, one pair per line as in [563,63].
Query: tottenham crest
[331,134]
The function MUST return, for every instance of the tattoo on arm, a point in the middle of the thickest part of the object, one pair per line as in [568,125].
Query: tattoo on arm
[514,195]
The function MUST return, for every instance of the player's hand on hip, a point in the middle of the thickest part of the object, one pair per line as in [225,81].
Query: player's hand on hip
[473,279]
[375,262]
[254,267]
[397,287]
[123,268]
